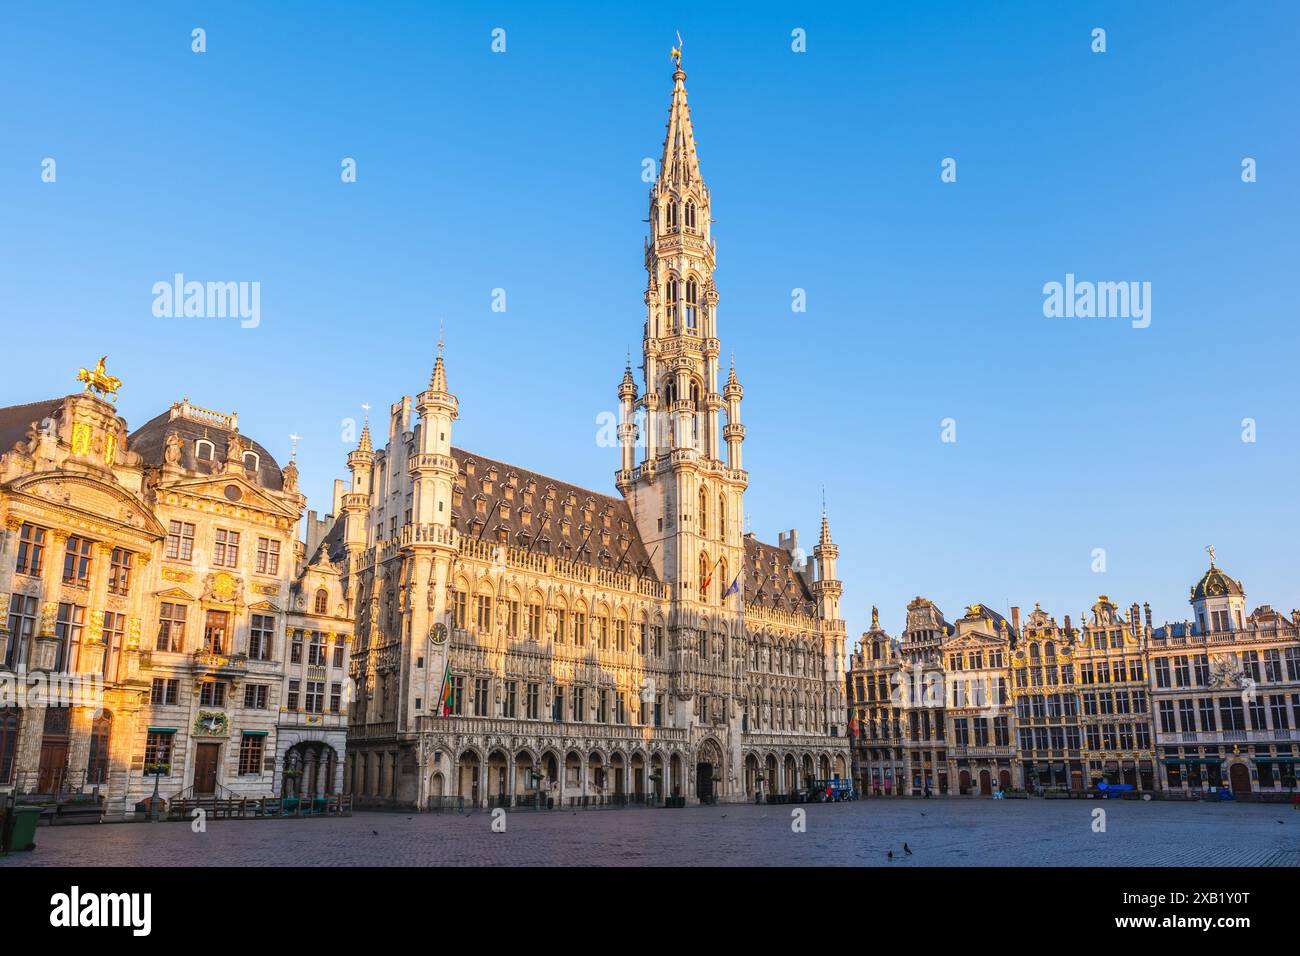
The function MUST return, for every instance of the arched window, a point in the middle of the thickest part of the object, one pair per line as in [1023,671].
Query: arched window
[697,433]
[97,760]
[722,516]
[704,576]
[671,298]
[670,215]
[204,450]
[690,215]
[322,601]
[692,305]
[251,461]
[704,511]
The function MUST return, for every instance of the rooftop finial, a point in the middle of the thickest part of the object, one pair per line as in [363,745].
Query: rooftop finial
[293,447]
[677,51]
[1209,549]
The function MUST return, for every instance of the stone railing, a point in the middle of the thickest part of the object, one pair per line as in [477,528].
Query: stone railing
[195,413]
[629,734]
[1226,736]
[522,560]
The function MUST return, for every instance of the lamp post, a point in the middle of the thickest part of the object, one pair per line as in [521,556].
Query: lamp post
[157,771]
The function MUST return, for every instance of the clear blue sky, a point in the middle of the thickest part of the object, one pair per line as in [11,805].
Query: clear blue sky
[522,171]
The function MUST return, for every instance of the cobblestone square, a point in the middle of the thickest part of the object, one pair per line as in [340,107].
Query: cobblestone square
[940,833]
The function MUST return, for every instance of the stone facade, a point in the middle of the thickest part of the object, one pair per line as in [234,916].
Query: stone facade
[1181,709]
[1226,693]
[522,638]
[156,570]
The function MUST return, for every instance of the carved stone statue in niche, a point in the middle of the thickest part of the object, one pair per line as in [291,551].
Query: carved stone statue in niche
[235,448]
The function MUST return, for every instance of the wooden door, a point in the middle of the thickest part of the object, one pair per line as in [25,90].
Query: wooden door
[704,781]
[1240,777]
[205,768]
[986,783]
[54,761]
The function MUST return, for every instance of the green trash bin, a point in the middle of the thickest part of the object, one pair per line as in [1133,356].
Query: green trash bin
[24,834]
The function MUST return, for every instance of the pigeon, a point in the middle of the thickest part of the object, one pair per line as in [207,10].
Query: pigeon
[890,854]
[724,816]
[922,813]
[907,849]
[374,833]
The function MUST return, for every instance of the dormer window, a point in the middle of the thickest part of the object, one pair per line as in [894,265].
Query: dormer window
[251,461]
[204,450]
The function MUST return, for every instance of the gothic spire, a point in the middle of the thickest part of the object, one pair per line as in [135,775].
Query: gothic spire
[680,164]
[438,380]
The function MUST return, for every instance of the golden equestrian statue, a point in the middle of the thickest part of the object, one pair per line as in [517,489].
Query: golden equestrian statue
[100,380]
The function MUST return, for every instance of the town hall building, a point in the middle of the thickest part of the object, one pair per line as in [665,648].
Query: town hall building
[521,639]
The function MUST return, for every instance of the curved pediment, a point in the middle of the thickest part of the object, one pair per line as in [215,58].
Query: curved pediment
[101,503]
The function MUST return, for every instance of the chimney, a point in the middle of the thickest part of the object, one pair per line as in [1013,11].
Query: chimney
[1015,619]
[1146,609]
[336,508]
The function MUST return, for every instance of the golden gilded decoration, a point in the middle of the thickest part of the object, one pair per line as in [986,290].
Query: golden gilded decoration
[223,585]
[110,448]
[175,574]
[81,432]
[99,380]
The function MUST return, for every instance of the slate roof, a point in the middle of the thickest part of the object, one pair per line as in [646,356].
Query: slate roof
[150,442]
[771,580]
[500,502]
[16,420]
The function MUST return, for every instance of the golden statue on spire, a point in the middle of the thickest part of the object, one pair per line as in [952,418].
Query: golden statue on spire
[677,51]
[98,379]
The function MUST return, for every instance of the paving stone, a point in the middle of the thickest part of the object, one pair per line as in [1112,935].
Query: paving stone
[940,832]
